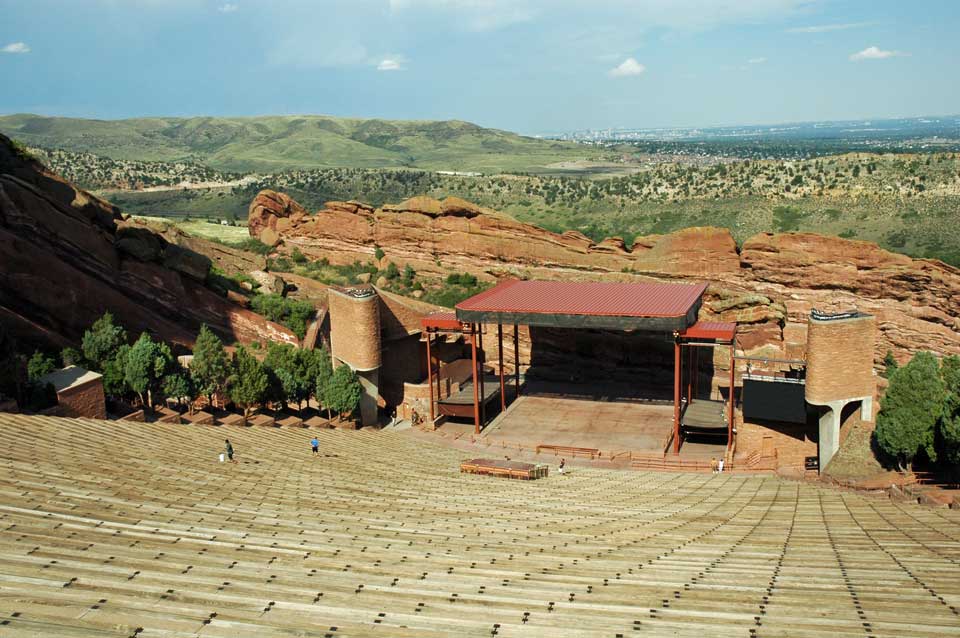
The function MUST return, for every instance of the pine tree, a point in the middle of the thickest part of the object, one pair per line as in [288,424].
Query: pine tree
[147,363]
[178,384]
[910,410]
[102,341]
[210,367]
[249,381]
[949,427]
[39,365]
[344,390]
[324,373]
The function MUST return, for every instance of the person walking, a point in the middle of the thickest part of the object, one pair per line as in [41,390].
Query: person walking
[563,462]
[713,464]
[230,451]
[315,444]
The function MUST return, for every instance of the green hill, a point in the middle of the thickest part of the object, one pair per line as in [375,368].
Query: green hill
[269,144]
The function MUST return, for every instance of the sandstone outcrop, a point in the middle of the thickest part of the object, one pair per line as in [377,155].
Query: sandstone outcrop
[69,256]
[271,209]
[768,287]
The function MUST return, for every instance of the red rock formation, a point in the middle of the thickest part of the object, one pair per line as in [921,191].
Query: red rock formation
[271,209]
[69,256]
[421,229]
[769,287]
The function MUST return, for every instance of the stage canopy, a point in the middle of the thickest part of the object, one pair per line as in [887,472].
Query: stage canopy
[661,307]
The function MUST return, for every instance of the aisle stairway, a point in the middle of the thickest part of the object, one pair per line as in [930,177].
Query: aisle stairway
[131,529]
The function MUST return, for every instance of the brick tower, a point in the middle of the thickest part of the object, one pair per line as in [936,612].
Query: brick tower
[355,341]
[839,371]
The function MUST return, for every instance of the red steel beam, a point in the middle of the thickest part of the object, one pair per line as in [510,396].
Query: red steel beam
[476,397]
[503,396]
[676,395]
[516,358]
[430,377]
[483,387]
[733,380]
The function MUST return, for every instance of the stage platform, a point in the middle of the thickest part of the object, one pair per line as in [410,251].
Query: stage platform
[610,426]
[460,405]
[705,418]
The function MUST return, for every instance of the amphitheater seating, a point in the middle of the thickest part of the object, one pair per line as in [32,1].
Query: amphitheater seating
[136,529]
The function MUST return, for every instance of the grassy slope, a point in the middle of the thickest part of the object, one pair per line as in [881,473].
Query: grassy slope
[264,144]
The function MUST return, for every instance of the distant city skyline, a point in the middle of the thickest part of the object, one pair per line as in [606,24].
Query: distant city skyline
[531,66]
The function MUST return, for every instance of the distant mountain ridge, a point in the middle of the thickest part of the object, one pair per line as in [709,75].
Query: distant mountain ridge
[275,143]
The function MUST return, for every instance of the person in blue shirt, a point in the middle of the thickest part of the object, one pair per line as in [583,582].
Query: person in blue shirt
[315,444]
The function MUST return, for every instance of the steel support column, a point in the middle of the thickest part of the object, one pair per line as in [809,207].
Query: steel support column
[476,397]
[516,359]
[733,380]
[676,395]
[482,357]
[430,377]
[503,395]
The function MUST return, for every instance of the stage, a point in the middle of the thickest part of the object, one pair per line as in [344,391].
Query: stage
[610,426]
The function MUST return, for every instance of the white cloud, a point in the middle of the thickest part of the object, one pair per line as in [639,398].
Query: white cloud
[824,28]
[628,67]
[228,7]
[756,60]
[875,53]
[391,63]
[16,47]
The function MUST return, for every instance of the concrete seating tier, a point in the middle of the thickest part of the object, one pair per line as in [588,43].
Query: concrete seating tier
[133,529]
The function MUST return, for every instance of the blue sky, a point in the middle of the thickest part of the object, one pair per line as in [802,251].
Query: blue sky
[531,66]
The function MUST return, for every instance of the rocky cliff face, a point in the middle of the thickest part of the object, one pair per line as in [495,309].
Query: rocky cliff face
[69,256]
[768,286]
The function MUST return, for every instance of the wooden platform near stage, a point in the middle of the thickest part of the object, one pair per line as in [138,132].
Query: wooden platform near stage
[705,418]
[504,468]
[461,404]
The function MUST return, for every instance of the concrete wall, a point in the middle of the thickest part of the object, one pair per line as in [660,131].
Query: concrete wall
[404,361]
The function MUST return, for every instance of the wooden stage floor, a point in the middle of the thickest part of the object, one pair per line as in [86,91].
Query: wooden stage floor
[579,422]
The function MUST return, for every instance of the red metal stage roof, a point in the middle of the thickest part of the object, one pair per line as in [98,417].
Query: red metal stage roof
[715,330]
[441,321]
[597,299]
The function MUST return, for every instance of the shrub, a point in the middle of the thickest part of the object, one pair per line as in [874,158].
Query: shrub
[71,357]
[39,365]
[294,314]
[253,245]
